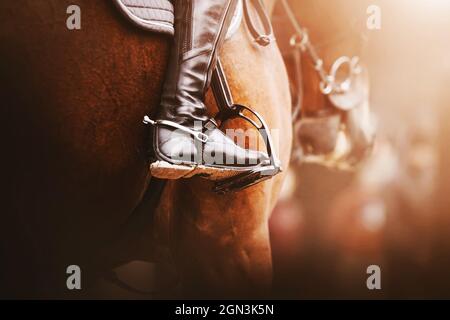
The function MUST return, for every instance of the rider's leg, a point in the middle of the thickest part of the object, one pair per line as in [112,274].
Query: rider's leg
[201,27]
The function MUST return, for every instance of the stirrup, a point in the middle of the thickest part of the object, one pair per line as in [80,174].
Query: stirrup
[246,179]
[229,110]
[253,176]
[226,178]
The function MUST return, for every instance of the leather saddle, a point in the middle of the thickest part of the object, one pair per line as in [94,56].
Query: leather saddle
[152,15]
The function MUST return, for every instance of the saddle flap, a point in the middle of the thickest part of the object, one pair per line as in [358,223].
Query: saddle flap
[151,15]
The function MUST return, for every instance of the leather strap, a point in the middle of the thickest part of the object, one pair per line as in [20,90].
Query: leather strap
[263,39]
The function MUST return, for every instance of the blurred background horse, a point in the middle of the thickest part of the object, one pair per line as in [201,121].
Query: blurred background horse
[330,225]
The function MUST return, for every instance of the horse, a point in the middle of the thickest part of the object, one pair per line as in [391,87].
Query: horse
[76,157]
[305,266]
[329,82]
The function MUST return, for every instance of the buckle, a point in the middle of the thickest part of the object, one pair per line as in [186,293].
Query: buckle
[264,40]
[198,135]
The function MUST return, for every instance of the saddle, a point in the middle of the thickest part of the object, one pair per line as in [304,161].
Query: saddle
[158,16]
[151,15]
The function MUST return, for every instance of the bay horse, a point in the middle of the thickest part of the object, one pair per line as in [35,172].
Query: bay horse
[75,157]
[329,80]
[304,261]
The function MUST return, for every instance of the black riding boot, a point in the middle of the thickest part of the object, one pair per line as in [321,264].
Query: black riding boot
[184,135]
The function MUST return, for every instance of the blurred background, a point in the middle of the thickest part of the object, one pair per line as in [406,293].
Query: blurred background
[329,225]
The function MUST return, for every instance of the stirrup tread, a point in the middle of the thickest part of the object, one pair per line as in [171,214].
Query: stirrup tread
[165,170]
